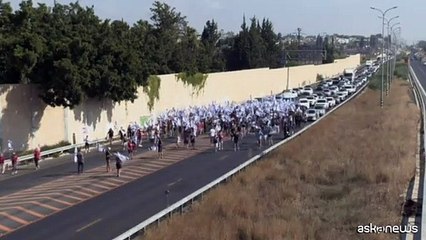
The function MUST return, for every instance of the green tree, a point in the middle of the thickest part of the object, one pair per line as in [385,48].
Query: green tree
[422,45]
[257,49]
[329,49]
[238,57]
[211,57]
[169,27]
[274,47]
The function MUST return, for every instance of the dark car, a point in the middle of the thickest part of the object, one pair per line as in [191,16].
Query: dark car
[319,88]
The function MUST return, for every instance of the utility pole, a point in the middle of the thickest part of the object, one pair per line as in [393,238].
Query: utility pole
[388,51]
[383,49]
[394,42]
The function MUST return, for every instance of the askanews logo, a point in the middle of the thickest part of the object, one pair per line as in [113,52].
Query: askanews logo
[395,229]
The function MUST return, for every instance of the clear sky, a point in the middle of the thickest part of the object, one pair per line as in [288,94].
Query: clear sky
[352,17]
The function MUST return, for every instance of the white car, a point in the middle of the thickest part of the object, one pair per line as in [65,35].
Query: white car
[311,100]
[311,114]
[331,101]
[327,92]
[304,102]
[334,89]
[342,96]
[322,102]
[329,82]
[308,90]
[296,90]
[320,108]
[338,98]
[351,89]
[344,90]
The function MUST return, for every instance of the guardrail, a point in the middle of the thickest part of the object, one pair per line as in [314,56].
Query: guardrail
[30,157]
[155,218]
[421,100]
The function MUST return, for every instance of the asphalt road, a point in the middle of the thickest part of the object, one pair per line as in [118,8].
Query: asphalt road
[113,212]
[110,214]
[52,169]
[420,71]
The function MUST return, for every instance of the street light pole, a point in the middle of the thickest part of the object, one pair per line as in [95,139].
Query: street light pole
[383,48]
[388,77]
[394,41]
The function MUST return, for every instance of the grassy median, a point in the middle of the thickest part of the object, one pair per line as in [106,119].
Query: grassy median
[350,169]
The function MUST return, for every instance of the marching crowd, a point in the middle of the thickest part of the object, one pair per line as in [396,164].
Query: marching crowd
[220,121]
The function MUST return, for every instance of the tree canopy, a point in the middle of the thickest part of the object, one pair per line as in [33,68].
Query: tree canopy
[71,54]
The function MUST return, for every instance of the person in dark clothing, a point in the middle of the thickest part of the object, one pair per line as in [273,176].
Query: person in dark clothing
[14,160]
[110,136]
[118,165]
[80,161]
[160,148]
[236,139]
[192,140]
[186,139]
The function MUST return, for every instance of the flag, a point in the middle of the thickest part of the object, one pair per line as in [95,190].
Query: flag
[122,157]
[75,155]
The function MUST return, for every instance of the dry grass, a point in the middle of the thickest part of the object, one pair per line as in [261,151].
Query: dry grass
[348,170]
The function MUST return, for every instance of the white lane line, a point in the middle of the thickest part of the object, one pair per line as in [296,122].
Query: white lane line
[175,182]
[89,225]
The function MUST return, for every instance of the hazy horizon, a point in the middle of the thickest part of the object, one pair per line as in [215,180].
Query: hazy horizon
[349,17]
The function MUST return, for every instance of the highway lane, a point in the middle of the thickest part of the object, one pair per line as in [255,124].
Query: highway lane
[53,169]
[111,213]
[420,71]
[115,211]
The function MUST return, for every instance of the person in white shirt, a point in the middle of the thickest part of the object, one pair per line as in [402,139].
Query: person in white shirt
[212,135]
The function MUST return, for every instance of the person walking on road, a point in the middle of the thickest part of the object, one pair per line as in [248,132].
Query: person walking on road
[80,161]
[160,147]
[2,159]
[37,157]
[118,165]
[192,139]
[108,159]
[178,140]
[14,159]
[110,136]
[131,148]
[220,137]
[236,138]
[86,144]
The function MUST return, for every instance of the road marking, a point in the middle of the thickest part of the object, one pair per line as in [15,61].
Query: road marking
[175,182]
[35,214]
[89,225]
[33,196]
[4,229]
[42,205]
[99,185]
[15,219]
[223,157]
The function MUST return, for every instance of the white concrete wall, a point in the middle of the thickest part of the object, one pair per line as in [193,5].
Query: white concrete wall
[51,125]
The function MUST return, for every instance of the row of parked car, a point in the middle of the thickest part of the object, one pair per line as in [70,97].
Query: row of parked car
[328,93]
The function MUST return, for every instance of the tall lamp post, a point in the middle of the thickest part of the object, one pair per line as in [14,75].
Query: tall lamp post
[394,50]
[397,36]
[383,48]
[388,77]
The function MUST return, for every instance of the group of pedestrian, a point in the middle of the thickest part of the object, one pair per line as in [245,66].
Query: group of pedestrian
[14,160]
[232,121]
